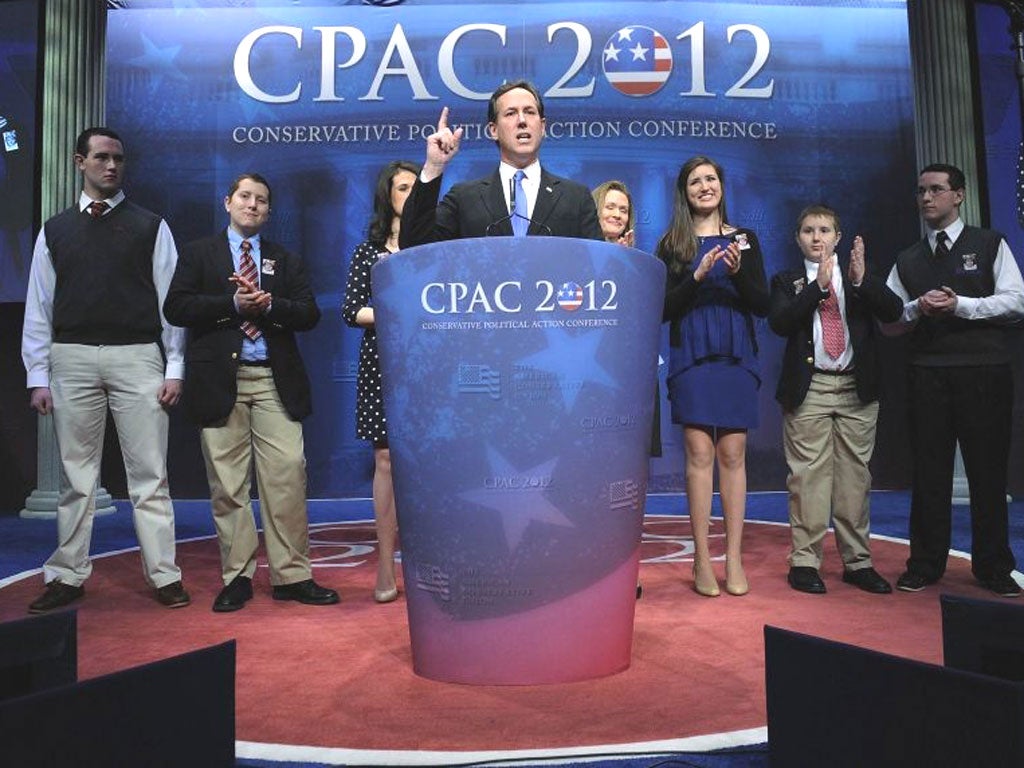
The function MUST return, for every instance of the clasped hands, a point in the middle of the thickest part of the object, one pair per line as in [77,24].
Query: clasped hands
[938,301]
[250,301]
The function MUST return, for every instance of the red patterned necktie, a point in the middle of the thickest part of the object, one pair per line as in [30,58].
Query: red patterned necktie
[96,208]
[247,269]
[833,336]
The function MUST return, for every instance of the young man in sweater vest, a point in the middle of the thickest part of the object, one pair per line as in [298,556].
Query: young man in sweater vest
[961,289]
[94,338]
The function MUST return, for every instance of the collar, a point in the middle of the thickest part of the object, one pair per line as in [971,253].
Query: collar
[953,231]
[84,200]
[235,241]
[532,171]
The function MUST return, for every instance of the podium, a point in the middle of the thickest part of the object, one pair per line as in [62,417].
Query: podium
[519,378]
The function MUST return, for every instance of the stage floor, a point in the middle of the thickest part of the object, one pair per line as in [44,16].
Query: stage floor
[335,684]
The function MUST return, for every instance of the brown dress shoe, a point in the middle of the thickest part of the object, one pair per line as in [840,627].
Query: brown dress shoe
[57,595]
[173,595]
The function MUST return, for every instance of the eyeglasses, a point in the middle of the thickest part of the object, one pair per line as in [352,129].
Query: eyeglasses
[933,190]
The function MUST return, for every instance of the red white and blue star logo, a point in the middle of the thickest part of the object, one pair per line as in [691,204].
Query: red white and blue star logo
[637,60]
[570,297]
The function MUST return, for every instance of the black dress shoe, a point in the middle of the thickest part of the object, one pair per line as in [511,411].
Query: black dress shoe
[307,592]
[803,578]
[57,595]
[869,580]
[911,581]
[1003,586]
[173,595]
[234,596]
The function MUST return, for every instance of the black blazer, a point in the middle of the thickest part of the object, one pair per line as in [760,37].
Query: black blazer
[791,314]
[201,299]
[478,209]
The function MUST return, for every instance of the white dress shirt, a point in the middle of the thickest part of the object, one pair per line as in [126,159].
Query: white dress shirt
[1006,303]
[531,184]
[821,357]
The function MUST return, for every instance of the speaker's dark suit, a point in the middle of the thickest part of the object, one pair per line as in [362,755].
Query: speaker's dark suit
[829,419]
[791,313]
[479,209]
[201,299]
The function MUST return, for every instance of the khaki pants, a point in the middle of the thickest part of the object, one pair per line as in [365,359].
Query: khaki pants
[259,429]
[84,381]
[828,442]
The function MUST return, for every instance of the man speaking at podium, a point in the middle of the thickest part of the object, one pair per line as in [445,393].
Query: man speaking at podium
[519,198]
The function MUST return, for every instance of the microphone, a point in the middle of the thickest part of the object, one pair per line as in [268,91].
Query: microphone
[512,213]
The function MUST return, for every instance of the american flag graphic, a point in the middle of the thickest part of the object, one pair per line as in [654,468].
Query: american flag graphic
[433,578]
[570,296]
[637,60]
[623,494]
[479,378]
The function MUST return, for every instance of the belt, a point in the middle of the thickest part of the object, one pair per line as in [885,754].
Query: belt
[843,372]
[255,363]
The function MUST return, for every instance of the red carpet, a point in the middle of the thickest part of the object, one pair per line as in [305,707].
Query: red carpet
[341,676]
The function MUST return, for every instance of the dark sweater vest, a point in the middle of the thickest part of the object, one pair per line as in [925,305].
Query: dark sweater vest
[968,270]
[104,292]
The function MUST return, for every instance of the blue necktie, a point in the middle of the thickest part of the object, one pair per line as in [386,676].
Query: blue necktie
[520,218]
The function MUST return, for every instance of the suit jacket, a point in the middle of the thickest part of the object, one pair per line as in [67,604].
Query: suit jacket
[200,298]
[478,209]
[791,313]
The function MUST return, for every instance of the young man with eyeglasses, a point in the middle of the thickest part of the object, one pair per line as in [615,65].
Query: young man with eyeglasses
[962,290]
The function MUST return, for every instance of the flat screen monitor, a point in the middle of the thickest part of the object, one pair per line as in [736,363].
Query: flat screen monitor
[20,65]
[983,636]
[38,653]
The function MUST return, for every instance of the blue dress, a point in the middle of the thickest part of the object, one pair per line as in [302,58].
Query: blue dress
[713,376]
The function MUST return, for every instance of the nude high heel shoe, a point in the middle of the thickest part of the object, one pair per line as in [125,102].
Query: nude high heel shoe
[704,581]
[385,595]
[735,583]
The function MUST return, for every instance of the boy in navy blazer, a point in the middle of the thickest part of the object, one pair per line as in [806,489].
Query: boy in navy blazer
[828,389]
[243,298]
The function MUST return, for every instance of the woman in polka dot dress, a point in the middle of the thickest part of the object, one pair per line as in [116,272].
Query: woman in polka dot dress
[393,186]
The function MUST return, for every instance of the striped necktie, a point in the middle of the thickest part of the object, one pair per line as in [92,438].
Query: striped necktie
[247,269]
[97,208]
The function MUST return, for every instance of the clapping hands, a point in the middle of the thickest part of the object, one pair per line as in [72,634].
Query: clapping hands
[731,255]
[250,301]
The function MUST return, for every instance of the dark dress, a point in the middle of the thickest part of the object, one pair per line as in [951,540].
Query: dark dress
[371,423]
[713,374]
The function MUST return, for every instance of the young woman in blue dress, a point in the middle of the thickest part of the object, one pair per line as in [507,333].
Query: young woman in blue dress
[715,286]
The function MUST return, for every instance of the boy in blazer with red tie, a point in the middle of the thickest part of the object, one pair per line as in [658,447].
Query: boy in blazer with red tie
[828,389]
[242,298]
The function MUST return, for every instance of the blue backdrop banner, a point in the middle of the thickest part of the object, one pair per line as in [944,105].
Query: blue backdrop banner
[800,102]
